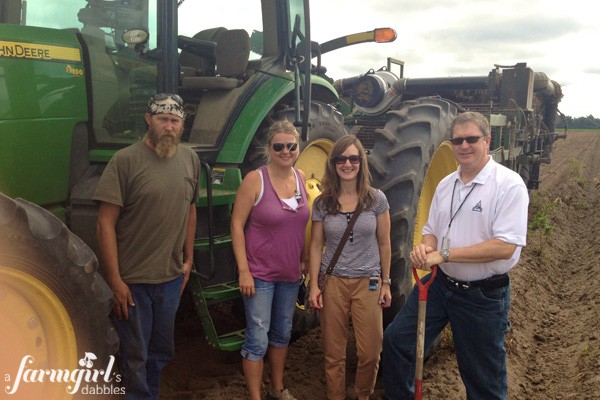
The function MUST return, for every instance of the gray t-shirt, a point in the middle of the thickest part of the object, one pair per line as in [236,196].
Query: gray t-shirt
[155,195]
[360,256]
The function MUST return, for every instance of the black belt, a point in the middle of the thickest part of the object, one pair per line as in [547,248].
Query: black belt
[493,282]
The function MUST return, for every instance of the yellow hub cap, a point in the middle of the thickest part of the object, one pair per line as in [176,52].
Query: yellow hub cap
[33,323]
[312,161]
[442,164]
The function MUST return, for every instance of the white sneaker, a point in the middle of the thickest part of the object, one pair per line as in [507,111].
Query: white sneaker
[283,395]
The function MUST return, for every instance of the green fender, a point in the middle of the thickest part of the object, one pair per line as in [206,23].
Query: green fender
[257,109]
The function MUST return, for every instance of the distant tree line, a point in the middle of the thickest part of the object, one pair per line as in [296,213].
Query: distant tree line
[588,122]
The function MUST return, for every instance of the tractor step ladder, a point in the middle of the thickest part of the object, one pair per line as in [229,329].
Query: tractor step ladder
[226,182]
[203,297]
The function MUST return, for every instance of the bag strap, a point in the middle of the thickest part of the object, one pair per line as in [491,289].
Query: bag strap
[343,240]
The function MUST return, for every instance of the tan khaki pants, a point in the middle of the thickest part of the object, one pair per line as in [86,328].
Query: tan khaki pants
[344,298]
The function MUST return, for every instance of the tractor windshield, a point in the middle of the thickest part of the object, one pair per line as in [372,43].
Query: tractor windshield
[120,79]
[122,76]
[112,17]
[196,19]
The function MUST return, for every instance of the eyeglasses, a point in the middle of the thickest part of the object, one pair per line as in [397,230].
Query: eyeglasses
[470,139]
[341,160]
[165,96]
[277,147]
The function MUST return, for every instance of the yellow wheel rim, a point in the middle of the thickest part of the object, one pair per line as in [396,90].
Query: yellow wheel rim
[312,161]
[442,164]
[34,323]
[313,158]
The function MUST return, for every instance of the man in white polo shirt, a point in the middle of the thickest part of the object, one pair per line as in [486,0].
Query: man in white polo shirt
[476,228]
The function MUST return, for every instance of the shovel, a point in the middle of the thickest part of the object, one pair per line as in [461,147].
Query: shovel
[423,288]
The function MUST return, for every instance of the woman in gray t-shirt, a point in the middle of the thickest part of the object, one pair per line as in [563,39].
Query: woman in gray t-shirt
[359,285]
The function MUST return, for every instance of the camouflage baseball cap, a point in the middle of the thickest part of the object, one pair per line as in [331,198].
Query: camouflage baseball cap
[166,103]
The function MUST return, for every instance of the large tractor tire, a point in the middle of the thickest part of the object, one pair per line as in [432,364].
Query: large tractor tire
[409,158]
[326,126]
[54,306]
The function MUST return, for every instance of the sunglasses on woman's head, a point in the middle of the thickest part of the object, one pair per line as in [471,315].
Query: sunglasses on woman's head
[341,160]
[470,139]
[277,147]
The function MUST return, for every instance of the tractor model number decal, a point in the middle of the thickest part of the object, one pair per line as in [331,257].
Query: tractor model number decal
[77,72]
[38,51]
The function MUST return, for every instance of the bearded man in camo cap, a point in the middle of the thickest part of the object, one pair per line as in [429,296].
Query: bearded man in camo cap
[146,227]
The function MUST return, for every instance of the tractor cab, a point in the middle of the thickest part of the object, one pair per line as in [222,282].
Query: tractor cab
[215,60]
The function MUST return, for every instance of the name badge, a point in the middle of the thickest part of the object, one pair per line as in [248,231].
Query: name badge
[373,282]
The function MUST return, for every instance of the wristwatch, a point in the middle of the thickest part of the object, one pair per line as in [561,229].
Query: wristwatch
[445,253]
[386,281]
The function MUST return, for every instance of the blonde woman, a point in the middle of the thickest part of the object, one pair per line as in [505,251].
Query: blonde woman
[268,228]
[359,285]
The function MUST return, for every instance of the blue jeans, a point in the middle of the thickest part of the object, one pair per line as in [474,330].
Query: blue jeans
[147,337]
[269,316]
[478,319]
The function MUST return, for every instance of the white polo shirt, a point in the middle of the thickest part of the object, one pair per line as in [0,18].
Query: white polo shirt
[491,206]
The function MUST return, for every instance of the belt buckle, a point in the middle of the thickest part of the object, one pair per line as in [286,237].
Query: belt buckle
[458,285]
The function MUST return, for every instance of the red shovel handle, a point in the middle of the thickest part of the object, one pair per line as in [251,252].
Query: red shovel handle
[424,287]
[420,353]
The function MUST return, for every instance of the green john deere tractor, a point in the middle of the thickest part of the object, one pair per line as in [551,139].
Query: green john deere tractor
[75,78]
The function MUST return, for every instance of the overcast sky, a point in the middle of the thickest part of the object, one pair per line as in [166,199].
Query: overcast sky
[453,38]
[467,37]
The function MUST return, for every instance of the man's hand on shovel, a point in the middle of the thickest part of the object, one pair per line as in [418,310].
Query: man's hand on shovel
[424,257]
[423,289]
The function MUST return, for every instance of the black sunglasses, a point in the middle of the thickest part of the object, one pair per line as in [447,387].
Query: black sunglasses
[277,147]
[165,96]
[470,139]
[341,160]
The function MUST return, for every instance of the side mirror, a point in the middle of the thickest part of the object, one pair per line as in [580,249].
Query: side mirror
[135,36]
[138,38]
[306,62]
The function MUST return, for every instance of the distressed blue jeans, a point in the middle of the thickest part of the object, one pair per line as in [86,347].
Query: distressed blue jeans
[479,321]
[269,316]
[147,338]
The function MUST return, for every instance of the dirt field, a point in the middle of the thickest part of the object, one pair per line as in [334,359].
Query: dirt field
[554,345]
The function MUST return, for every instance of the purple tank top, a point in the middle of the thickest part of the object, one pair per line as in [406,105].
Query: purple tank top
[275,234]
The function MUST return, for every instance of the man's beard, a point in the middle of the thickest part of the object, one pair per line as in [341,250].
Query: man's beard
[166,146]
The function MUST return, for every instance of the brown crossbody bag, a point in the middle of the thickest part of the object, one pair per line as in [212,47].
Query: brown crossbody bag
[324,276]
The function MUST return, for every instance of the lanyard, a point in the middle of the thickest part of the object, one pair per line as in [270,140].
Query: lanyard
[460,206]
